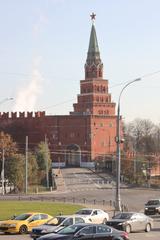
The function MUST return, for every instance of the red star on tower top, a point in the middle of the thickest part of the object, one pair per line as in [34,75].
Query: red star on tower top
[93,16]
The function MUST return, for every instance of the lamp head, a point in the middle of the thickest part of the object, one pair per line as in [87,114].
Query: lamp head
[137,79]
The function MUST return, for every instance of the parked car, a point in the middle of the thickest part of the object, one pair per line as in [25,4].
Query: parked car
[87,231]
[56,223]
[152,207]
[131,221]
[94,215]
[24,223]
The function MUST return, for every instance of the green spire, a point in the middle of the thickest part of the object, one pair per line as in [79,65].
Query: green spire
[93,66]
[93,55]
[93,43]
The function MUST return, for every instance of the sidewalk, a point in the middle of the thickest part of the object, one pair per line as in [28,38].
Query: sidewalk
[111,181]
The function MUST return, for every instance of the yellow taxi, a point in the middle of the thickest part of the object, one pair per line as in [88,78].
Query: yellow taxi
[24,223]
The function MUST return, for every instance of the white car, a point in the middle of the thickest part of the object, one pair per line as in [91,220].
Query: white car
[94,215]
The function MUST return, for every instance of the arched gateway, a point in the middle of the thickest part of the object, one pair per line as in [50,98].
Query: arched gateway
[73,155]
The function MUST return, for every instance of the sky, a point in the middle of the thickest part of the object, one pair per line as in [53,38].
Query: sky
[43,49]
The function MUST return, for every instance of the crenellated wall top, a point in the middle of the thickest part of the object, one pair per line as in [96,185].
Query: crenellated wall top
[15,115]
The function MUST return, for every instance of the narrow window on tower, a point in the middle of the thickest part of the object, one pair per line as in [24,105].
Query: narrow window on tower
[72,135]
[102,144]
[110,124]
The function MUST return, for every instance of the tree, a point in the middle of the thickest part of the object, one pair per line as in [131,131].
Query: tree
[140,132]
[43,156]
[157,138]
[7,144]
[15,170]
[43,161]
[32,169]
[13,162]
[142,142]
[7,147]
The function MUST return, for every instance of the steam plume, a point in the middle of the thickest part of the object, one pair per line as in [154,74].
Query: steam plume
[27,96]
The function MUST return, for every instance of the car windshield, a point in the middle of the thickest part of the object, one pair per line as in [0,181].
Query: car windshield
[70,229]
[55,221]
[153,202]
[23,216]
[123,216]
[84,212]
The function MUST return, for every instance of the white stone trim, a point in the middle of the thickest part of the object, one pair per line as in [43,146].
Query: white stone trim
[88,164]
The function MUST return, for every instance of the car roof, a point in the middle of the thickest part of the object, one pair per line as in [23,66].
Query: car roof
[85,224]
[89,209]
[32,213]
[91,224]
[66,216]
[127,213]
[153,199]
[35,213]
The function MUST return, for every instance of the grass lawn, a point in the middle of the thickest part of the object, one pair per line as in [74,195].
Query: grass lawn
[10,208]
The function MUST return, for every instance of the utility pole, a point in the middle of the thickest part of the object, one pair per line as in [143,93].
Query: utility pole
[26,167]
[46,160]
[2,172]
[135,167]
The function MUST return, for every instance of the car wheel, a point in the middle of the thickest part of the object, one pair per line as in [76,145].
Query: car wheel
[104,220]
[148,227]
[23,229]
[128,228]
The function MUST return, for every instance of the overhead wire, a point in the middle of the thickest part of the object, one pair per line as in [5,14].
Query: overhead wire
[63,102]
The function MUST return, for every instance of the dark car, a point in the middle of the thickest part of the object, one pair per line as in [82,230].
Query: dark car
[131,222]
[55,224]
[152,207]
[87,231]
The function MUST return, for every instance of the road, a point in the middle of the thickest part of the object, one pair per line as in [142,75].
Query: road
[153,235]
[82,184]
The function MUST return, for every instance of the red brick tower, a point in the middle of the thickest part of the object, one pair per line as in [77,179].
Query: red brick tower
[95,102]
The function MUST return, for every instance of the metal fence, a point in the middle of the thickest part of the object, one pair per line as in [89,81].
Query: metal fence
[72,200]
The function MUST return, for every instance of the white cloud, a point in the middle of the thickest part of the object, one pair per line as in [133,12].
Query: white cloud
[27,96]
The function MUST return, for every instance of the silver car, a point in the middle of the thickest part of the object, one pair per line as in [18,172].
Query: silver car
[55,224]
[131,222]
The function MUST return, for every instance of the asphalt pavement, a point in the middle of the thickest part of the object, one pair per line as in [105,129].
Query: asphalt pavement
[90,189]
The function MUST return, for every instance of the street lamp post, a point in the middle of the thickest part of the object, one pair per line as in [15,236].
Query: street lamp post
[2,173]
[118,151]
